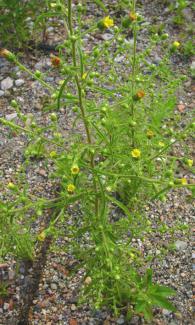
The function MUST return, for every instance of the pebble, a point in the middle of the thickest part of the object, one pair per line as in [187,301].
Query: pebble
[181,245]
[166,312]
[188,14]
[6,306]
[193,255]
[54,286]
[11,116]
[11,274]
[73,307]
[19,82]
[1,93]
[106,36]
[192,65]
[7,83]
[120,320]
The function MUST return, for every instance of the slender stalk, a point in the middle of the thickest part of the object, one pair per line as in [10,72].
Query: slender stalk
[45,84]
[81,105]
[133,70]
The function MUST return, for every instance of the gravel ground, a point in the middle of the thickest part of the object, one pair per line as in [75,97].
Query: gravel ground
[56,300]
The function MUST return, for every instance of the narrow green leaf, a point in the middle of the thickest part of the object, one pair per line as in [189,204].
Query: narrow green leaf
[101,5]
[119,204]
[162,302]
[162,291]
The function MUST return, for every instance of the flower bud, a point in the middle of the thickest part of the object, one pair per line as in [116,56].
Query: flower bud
[38,73]
[14,103]
[7,55]
[53,117]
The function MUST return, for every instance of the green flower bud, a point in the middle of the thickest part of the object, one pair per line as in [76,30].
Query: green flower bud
[38,73]
[11,186]
[14,103]
[53,117]
[96,53]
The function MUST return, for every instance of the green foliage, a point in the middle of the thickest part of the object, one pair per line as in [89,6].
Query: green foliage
[106,176]
[17,19]
[3,290]
[188,49]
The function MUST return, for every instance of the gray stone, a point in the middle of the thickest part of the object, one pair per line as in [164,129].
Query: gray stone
[192,65]
[7,83]
[157,59]
[6,306]
[166,312]
[44,63]
[120,320]
[193,255]
[11,274]
[73,307]
[106,36]
[19,82]
[188,14]
[11,116]
[181,245]
[119,58]
[54,286]
[1,93]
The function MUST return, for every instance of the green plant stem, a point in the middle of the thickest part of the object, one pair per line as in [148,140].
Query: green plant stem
[133,73]
[23,68]
[81,106]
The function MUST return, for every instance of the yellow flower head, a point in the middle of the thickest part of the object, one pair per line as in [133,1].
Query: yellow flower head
[75,169]
[84,76]
[176,44]
[11,186]
[41,236]
[71,188]
[183,181]
[150,134]
[53,154]
[136,153]
[161,144]
[108,22]
[132,16]
[190,162]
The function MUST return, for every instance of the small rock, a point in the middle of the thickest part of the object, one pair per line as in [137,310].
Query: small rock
[166,312]
[10,117]
[19,82]
[73,307]
[192,65]
[106,36]
[54,286]
[73,321]
[1,93]
[181,245]
[7,83]
[120,320]
[157,59]
[193,255]
[188,15]
[119,58]
[181,108]
[42,172]
[6,306]
[11,274]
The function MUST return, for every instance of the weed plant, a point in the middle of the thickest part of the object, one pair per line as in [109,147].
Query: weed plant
[20,19]
[122,159]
